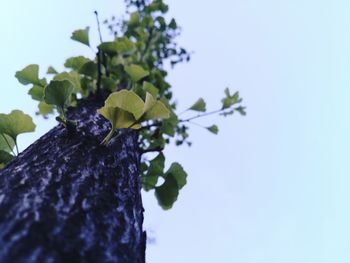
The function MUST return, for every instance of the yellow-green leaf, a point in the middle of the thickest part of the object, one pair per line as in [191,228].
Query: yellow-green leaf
[29,75]
[82,36]
[73,77]
[118,117]
[16,123]
[51,70]
[149,87]
[45,109]
[128,101]
[136,72]
[213,129]
[154,109]
[37,92]
[199,105]
[121,45]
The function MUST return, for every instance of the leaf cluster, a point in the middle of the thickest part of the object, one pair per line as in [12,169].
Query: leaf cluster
[130,67]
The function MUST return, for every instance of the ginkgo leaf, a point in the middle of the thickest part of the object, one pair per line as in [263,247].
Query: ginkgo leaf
[6,143]
[230,100]
[58,92]
[76,63]
[89,69]
[149,87]
[213,129]
[118,118]
[16,123]
[154,109]
[5,157]
[51,70]
[37,93]
[199,105]
[128,101]
[136,72]
[73,77]
[82,36]
[29,75]
[121,45]
[167,193]
[45,109]
[177,171]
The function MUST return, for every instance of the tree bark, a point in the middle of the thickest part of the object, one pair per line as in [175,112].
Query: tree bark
[66,198]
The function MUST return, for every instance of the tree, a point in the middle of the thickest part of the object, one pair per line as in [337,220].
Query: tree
[74,195]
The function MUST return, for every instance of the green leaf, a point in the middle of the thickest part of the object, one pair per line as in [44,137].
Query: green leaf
[82,36]
[118,117]
[136,72]
[149,87]
[5,157]
[108,83]
[167,193]
[29,75]
[128,101]
[73,77]
[6,143]
[178,173]
[122,45]
[157,165]
[51,70]
[149,182]
[155,170]
[213,129]
[241,110]
[89,69]
[45,109]
[16,123]
[173,24]
[76,63]
[154,109]
[230,100]
[37,93]
[199,105]
[58,93]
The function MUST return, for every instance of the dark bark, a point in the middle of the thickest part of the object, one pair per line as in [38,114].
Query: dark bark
[66,198]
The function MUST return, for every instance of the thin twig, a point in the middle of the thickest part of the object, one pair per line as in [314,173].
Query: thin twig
[98,26]
[202,115]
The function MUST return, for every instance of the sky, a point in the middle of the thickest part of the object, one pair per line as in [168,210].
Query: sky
[272,186]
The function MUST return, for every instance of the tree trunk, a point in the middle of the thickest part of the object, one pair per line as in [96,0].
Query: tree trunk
[66,198]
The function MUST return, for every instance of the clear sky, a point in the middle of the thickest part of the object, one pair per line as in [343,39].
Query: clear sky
[273,186]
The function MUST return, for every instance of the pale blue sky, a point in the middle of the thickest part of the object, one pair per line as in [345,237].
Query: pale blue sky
[273,186]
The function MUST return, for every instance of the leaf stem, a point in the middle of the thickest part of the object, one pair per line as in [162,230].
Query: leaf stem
[16,147]
[202,115]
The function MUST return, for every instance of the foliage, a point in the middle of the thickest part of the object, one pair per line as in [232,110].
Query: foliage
[131,69]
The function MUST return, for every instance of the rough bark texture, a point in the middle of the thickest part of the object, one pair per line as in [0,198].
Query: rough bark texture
[66,198]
